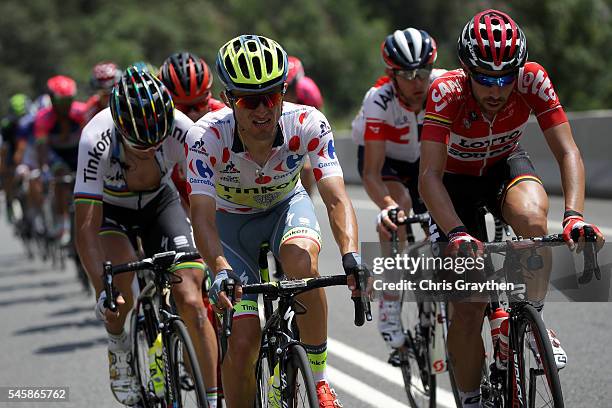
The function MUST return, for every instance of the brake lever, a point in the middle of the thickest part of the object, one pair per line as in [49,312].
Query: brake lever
[591,265]
[109,303]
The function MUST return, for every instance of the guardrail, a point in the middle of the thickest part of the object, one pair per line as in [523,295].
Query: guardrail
[592,132]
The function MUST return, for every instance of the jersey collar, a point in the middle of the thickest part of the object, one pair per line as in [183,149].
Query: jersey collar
[238,147]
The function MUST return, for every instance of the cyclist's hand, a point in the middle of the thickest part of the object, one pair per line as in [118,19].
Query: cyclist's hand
[575,230]
[384,224]
[102,312]
[460,243]
[216,294]
[352,265]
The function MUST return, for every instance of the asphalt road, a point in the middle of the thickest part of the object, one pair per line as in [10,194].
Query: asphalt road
[50,337]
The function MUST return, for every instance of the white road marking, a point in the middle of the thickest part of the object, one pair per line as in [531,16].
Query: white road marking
[361,390]
[380,369]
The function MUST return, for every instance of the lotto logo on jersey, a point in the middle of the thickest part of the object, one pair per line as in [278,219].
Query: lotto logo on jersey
[201,169]
[538,84]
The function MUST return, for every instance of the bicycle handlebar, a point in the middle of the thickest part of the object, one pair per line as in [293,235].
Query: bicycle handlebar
[591,265]
[163,260]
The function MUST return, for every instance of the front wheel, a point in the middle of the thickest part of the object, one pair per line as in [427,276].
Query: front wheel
[186,377]
[534,362]
[301,390]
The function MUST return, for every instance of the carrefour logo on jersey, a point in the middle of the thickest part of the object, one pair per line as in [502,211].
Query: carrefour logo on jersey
[290,163]
[202,170]
[328,151]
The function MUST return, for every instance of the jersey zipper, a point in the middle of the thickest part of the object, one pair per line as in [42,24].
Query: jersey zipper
[484,162]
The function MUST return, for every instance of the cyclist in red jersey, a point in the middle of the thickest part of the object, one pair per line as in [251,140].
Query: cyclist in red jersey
[57,130]
[189,80]
[104,76]
[303,90]
[471,157]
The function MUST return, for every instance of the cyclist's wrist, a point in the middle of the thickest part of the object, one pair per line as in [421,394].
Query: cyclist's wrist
[350,261]
[460,229]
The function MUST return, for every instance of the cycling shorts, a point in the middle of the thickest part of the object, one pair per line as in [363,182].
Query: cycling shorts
[469,194]
[401,171]
[243,234]
[162,225]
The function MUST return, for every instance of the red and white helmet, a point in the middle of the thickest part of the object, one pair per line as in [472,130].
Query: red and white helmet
[296,69]
[105,75]
[61,86]
[492,41]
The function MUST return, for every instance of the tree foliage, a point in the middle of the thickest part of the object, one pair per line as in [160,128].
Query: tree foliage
[337,40]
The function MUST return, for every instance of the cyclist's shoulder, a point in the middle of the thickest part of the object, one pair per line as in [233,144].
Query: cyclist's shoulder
[534,84]
[101,126]
[78,112]
[217,125]
[447,91]
[302,119]
[215,105]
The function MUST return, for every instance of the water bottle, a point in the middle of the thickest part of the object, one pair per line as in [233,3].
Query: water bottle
[156,366]
[498,320]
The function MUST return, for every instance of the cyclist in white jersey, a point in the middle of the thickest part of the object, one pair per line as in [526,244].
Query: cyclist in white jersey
[387,130]
[245,161]
[123,191]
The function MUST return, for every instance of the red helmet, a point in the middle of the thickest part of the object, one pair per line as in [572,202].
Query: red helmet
[296,70]
[105,75]
[492,41]
[187,77]
[61,86]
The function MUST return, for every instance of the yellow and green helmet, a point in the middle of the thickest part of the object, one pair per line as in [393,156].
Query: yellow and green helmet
[252,63]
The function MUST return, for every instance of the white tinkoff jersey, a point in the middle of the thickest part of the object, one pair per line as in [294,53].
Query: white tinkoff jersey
[100,171]
[219,166]
[383,117]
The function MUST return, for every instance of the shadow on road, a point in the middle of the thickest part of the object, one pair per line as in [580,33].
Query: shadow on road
[39,284]
[71,347]
[60,326]
[73,310]
[43,298]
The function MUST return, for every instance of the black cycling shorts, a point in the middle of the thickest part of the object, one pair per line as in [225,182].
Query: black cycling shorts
[403,172]
[162,224]
[470,194]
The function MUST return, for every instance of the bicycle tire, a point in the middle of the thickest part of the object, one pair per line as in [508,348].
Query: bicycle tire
[140,350]
[185,374]
[300,394]
[529,321]
[263,374]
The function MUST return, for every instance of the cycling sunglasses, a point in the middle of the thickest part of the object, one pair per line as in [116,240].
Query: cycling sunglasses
[252,102]
[194,107]
[409,75]
[489,81]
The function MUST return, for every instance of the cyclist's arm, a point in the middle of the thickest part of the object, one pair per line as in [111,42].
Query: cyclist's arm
[431,187]
[340,212]
[562,145]
[40,135]
[374,159]
[88,220]
[203,208]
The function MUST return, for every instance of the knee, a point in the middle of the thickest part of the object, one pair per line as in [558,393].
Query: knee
[531,220]
[242,352]
[190,304]
[468,317]
[299,259]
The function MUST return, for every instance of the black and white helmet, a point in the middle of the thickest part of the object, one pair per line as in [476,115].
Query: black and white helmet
[409,49]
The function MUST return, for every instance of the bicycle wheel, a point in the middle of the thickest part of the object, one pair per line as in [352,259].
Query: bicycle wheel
[536,367]
[185,375]
[301,391]
[140,347]
[263,376]
[414,359]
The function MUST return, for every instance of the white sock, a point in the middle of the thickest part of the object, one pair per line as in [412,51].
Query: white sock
[118,341]
[470,399]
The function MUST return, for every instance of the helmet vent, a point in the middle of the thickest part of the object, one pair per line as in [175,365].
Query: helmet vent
[252,46]
[257,67]
[230,67]
[280,58]
[244,68]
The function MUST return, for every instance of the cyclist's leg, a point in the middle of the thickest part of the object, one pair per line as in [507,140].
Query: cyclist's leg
[241,236]
[464,340]
[118,249]
[170,230]
[523,204]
